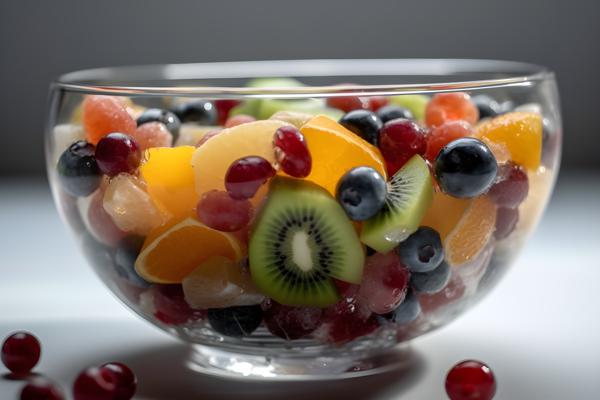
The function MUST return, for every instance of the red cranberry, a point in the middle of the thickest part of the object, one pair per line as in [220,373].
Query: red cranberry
[506,221]
[21,352]
[126,380]
[219,211]
[376,102]
[511,188]
[117,153]
[238,120]
[171,307]
[290,322]
[207,136]
[399,140]
[223,107]
[246,175]
[95,384]
[40,388]
[292,152]
[469,380]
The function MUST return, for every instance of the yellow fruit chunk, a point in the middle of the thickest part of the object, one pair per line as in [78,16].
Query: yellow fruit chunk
[444,213]
[171,253]
[499,150]
[335,150]
[520,132]
[219,282]
[212,160]
[170,179]
[472,232]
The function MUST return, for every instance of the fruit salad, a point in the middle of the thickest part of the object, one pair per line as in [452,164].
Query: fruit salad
[330,220]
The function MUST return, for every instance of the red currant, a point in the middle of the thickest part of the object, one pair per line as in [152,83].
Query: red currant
[399,140]
[223,107]
[117,153]
[238,120]
[470,380]
[21,352]
[126,381]
[292,152]
[440,136]
[246,175]
[40,388]
[95,384]
[511,188]
[219,211]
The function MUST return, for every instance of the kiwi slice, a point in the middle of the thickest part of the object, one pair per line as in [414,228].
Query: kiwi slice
[301,240]
[410,192]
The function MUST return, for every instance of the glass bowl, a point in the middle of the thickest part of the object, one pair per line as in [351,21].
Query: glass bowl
[288,223]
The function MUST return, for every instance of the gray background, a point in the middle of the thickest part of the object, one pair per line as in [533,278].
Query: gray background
[41,39]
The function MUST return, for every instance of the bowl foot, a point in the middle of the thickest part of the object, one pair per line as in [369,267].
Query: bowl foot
[230,364]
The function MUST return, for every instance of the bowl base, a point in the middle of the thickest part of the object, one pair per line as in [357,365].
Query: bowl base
[225,363]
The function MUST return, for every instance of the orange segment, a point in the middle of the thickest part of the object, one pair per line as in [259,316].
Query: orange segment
[444,213]
[472,232]
[212,160]
[170,179]
[171,253]
[520,132]
[335,150]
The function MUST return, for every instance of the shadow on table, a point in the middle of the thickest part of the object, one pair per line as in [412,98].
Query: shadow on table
[163,375]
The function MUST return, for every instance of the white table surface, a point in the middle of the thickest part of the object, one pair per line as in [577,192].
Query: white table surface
[539,329]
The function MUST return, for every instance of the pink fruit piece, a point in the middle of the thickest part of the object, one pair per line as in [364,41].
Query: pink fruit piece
[217,210]
[238,120]
[292,152]
[207,136]
[246,175]
[171,307]
[152,134]
[445,107]
[290,322]
[441,135]
[103,115]
[101,223]
[384,284]
[511,187]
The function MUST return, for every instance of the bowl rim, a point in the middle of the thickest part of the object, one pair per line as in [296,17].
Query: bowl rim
[109,80]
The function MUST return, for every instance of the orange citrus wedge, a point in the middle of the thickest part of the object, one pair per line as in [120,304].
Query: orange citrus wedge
[472,232]
[335,150]
[520,132]
[169,178]
[444,213]
[172,252]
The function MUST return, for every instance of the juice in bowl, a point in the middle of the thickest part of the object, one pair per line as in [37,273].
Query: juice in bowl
[288,224]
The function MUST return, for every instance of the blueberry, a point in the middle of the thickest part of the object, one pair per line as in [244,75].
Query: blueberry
[364,123]
[431,282]
[78,171]
[370,251]
[199,111]
[406,312]
[465,168]
[389,113]
[361,192]
[488,107]
[422,251]
[169,119]
[126,253]
[235,321]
